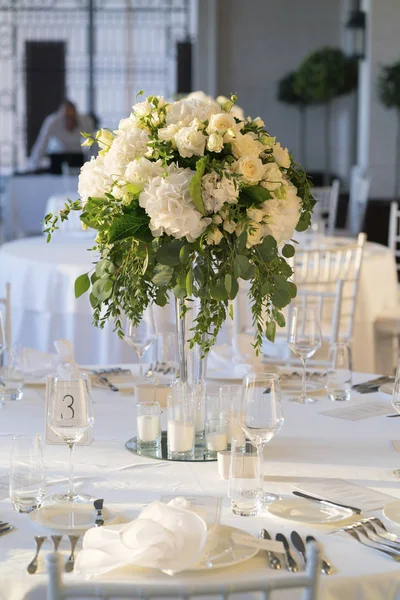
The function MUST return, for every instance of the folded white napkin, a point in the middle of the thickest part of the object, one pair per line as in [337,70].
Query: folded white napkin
[235,360]
[168,537]
[37,365]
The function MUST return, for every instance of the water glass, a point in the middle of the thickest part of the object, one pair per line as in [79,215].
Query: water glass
[148,418]
[27,479]
[181,425]
[216,434]
[339,377]
[11,384]
[231,396]
[245,483]
[166,366]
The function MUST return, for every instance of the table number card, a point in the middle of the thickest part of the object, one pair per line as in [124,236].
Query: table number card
[357,412]
[66,410]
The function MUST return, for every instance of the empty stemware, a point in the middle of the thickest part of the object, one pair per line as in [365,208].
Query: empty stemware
[142,338]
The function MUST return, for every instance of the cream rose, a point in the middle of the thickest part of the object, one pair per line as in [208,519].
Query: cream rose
[215,142]
[255,214]
[142,109]
[255,234]
[190,142]
[281,156]
[168,133]
[251,169]
[243,145]
[214,236]
[272,178]
[229,226]
[220,123]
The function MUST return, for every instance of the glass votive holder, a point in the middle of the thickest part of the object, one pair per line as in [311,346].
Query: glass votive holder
[216,436]
[197,390]
[244,488]
[148,419]
[27,476]
[339,376]
[231,398]
[181,426]
[11,384]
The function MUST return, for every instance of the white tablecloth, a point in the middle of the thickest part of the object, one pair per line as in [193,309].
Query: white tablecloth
[323,447]
[26,199]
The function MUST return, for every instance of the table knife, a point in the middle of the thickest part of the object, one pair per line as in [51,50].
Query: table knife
[358,511]
[274,561]
[326,567]
[98,504]
[291,564]
[108,383]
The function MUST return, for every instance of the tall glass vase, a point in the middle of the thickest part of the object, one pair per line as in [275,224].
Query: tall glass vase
[192,366]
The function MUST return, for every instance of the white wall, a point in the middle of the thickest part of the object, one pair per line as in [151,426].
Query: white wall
[259,41]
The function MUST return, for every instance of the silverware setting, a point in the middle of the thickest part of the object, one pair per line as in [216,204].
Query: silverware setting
[159,367]
[359,533]
[355,510]
[98,505]
[69,565]
[274,561]
[33,565]
[56,539]
[372,532]
[291,564]
[326,567]
[372,385]
[5,527]
[316,375]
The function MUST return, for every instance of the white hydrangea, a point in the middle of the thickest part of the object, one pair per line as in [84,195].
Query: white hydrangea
[142,170]
[282,215]
[126,147]
[203,97]
[190,141]
[216,191]
[169,205]
[187,110]
[93,181]
[127,124]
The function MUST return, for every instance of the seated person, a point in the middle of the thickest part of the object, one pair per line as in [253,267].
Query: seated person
[60,134]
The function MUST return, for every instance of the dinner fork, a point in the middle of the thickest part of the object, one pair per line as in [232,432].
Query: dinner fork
[377,524]
[368,529]
[5,527]
[357,535]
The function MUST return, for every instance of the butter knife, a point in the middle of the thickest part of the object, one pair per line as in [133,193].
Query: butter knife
[291,564]
[355,510]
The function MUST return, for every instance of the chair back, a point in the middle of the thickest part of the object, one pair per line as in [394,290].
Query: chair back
[394,232]
[5,307]
[320,270]
[264,585]
[327,198]
[358,200]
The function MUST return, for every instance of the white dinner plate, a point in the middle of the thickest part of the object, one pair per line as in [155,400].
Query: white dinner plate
[387,388]
[69,517]
[392,512]
[307,511]
[222,551]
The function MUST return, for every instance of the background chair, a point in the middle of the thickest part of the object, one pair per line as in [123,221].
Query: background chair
[326,208]
[358,200]
[58,590]
[394,232]
[5,307]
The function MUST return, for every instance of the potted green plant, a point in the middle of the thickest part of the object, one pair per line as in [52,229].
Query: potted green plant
[389,94]
[323,76]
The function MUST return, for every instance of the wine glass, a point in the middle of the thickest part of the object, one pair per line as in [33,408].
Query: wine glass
[141,339]
[304,340]
[70,416]
[261,416]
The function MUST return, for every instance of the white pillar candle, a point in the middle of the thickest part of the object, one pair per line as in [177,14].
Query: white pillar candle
[148,427]
[216,442]
[180,436]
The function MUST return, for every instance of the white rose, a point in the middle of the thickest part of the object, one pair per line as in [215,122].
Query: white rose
[272,178]
[142,109]
[217,191]
[255,234]
[217,219]
[126,124]
[251,169]
[255,214]
[243,145]
[93,180]
[199,95]
[229,226]
[215,142]
[268,141]
[169,205]
[168,133]
[220,122]
[126,147]
[232,132]
[259,122]
[281,156]
[142,170]
[282,215]
[104,138]
[187,110]
[190,142]
[214,236]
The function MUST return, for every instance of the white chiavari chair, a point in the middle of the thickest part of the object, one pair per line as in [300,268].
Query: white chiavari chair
[358,200]
[326,208]
[262,585]
[394,232]
[5,307]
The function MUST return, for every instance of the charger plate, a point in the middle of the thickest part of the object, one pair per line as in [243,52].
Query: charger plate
[307,511]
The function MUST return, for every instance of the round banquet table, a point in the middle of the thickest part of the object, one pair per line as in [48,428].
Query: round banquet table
[42,280]
[323,447]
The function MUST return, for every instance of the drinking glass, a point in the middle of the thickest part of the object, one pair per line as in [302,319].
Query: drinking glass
[245,479]
[304,340]
[27,479]
[261,417]
[148,417]
[181,425]
[197,391]
[140,339]
[396,403]
[339,377]
[11,378]
[166,367]
[216,434]
[232,395]
[70,416]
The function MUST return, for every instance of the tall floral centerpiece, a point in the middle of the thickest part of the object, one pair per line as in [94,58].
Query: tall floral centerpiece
[187,198]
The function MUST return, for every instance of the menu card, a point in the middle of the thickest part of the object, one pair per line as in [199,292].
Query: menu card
[350,494]
[359,411]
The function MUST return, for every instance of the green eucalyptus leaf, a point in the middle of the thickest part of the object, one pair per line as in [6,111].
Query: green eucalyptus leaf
[279,318]
[228,283]
[195,184]
[288,251]
[94,303]
[218,292]
[241,241]
[161,297]
[281,298]
[198,276]
[179,292]
[241,265]
[102,289]
[270,331]
[234,289]
[266,288]
[249,274]
[169,254]
[104,267]
[162,275]
[82,284]
[130,226]
[184,254]
[304,222]
[267,248]
[292,287]
[255,194]
[189,282]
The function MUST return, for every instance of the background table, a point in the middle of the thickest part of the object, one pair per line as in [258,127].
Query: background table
[323,447]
